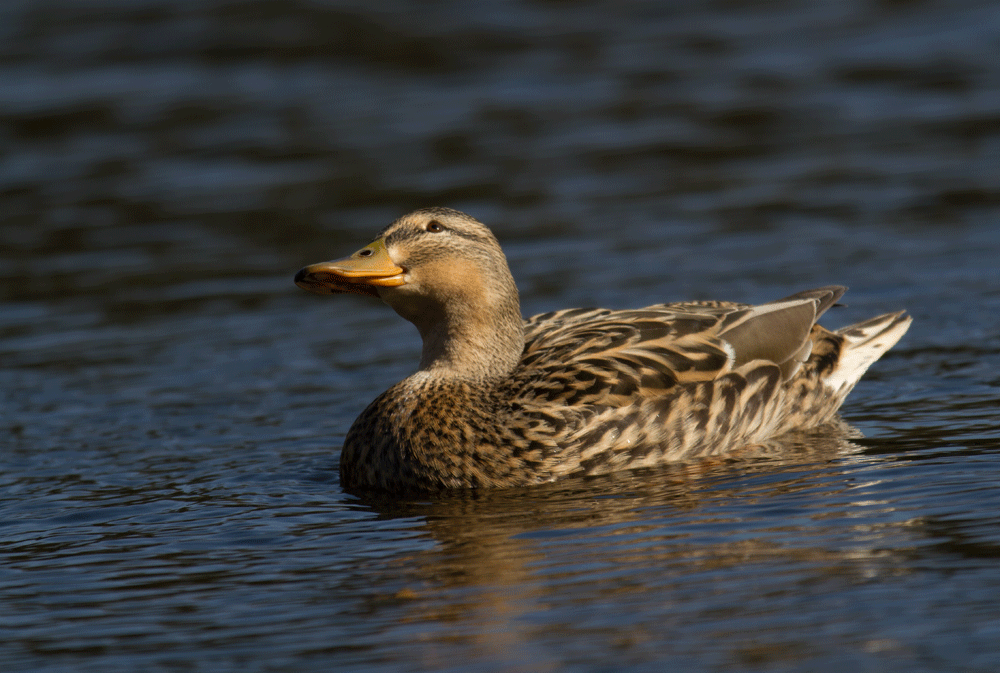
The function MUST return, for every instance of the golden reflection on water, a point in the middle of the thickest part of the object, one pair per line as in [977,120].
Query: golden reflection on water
[504,557]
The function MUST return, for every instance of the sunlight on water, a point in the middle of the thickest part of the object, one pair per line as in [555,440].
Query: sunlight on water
[172,407]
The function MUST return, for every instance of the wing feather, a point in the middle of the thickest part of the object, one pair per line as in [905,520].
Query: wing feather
[603,357]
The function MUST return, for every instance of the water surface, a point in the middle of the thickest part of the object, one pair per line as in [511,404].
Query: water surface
[172,407]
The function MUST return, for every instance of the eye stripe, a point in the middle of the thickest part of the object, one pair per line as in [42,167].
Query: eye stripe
[401,235]
[452,221]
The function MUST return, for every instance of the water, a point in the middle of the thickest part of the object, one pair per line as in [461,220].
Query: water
[171,406]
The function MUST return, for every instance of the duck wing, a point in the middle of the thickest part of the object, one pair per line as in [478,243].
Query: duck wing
[612,358]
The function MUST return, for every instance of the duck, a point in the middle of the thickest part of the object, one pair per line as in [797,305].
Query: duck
[499,401]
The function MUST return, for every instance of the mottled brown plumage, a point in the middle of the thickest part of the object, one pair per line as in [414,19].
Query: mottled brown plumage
[499,401]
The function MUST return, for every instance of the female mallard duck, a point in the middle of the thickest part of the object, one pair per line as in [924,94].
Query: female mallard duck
[500,401]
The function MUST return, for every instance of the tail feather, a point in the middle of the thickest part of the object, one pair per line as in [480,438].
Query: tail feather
[864,343]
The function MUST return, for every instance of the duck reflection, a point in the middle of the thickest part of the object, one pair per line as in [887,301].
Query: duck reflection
[802,505]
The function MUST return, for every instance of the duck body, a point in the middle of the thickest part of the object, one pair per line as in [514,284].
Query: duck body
[499,401]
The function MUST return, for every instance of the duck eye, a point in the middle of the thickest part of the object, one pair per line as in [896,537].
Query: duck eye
[435,227]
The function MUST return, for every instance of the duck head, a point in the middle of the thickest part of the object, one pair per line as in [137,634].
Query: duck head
[445,272]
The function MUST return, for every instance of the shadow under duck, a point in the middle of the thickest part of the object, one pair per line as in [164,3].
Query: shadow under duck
[502,401]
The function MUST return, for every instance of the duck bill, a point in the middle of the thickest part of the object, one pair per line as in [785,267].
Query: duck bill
[362,273]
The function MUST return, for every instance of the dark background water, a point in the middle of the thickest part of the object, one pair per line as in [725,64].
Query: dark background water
[171,406]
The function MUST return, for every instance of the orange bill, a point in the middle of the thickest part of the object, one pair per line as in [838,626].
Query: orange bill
[362,273]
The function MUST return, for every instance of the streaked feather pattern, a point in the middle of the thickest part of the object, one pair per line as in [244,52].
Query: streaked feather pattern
[591,390]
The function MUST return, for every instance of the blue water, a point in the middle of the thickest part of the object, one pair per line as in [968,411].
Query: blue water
[172,407]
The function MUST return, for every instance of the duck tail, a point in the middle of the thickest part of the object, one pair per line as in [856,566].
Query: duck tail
[864,343]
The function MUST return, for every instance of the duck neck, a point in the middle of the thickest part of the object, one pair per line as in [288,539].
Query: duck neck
[475,344]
